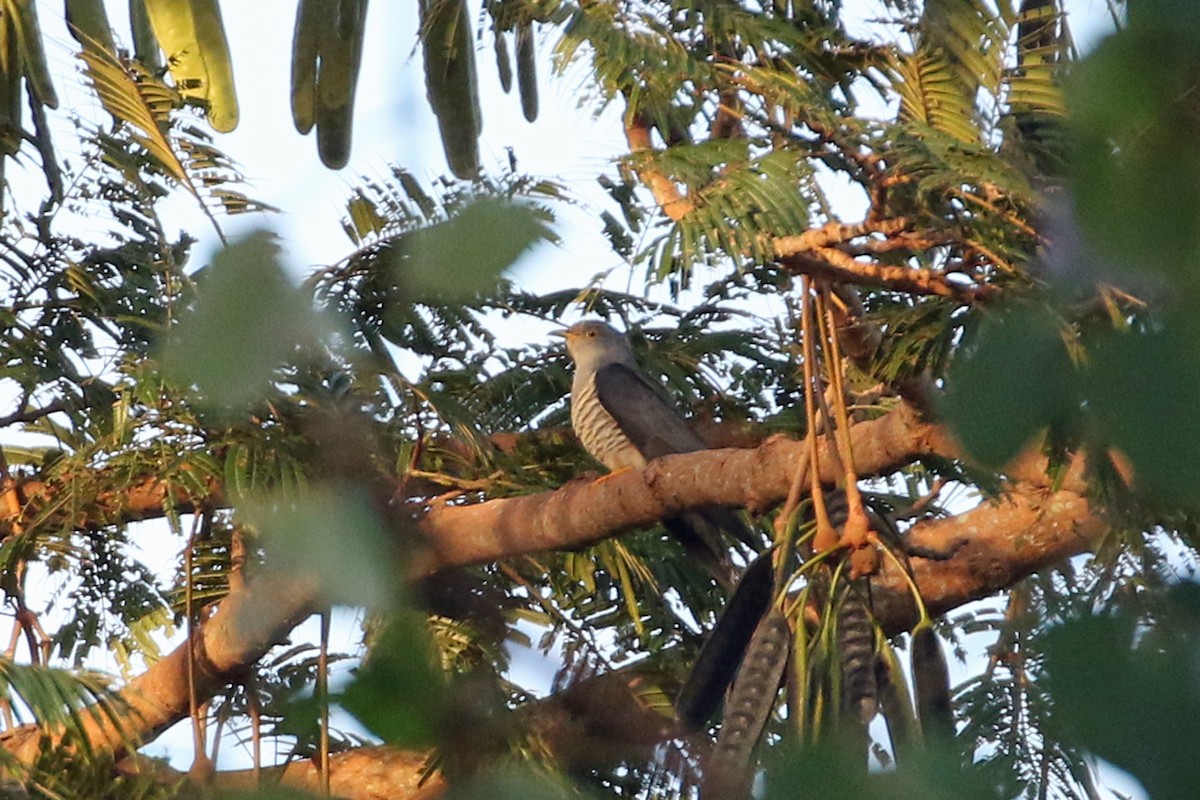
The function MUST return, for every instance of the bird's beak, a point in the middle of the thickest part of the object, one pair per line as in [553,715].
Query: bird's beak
[561,333]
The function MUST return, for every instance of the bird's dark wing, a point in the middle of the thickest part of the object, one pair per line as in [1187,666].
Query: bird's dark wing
[645,416]
[655,428]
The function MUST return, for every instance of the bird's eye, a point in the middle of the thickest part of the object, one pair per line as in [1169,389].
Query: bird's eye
[591,334]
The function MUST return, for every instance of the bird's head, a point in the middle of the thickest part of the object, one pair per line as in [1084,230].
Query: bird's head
[593,344]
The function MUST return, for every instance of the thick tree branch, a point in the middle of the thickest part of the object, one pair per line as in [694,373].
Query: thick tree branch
[244,627]
[582,513]
[364,773]
[834,265]
[987,549]
[599,721]
[593,723]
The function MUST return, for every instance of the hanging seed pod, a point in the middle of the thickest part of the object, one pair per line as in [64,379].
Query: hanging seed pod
[450,81]
[10,89]
[931,682]
[305,56]
[856,641]
[527,70]
[503,60]
[87,22]
[894,701]
[28,37]
[145,46]
[341,43]
[192,35]
[727,769]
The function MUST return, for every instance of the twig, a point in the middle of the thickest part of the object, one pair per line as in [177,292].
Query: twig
[833,233]
[826,536]
[200,764]
[855,530]
[834,265]
[922,502]
[32,414]
[557,613]
[666,193]
[323,698]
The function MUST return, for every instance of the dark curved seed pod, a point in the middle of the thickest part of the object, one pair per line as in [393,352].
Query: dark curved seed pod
[527,70]
[727,768]
[856,642]
[893,698]
[931,682]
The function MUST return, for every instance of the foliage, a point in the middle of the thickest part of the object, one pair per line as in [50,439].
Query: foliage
[274,416]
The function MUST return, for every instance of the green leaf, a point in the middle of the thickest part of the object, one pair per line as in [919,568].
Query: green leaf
[1144,392]
[1014,382]
[247,320]
[332,532]
[1136,165]
[1138,707]
[466,254]
[398,693]
[145,102]
[60,700]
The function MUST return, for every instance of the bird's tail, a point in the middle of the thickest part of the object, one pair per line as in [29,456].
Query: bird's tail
[706,534]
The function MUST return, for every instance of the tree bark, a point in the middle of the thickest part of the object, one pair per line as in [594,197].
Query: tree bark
[584,512]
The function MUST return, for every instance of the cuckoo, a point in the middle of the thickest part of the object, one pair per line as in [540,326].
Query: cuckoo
[625,420]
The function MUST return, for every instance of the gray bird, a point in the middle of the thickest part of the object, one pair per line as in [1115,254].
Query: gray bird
[621,418]
[624,421]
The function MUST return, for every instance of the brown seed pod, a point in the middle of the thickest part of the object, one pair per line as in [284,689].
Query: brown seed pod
[726,770]
[856,642]
[931,683]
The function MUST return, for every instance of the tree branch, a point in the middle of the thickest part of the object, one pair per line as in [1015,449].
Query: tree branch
[599,721]
[244,627]
[593,723]
[834,233]
[666,193]
[839,267]
[986,550]
[584,512]
[982,551]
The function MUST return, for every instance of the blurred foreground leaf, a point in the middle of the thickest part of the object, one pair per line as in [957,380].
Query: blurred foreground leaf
[328,531]
[1015,382]
[1128,689]
[824,771]
[516,781]
[1136,125]
[399,693]
[247,320]
[467,253]
[1144,392]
